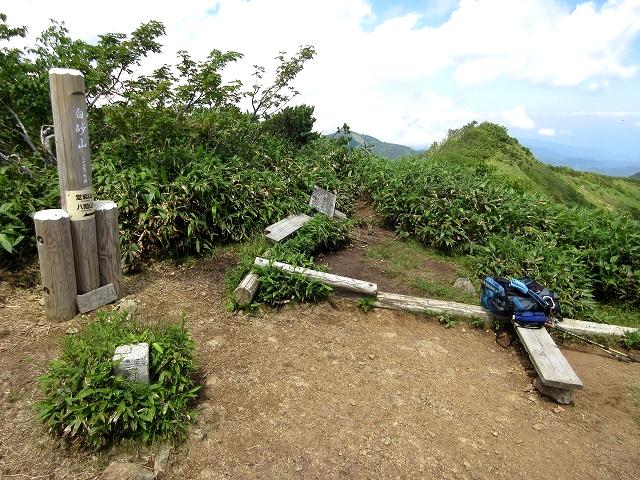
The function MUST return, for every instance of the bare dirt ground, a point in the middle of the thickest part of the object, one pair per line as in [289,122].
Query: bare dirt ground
[327,391]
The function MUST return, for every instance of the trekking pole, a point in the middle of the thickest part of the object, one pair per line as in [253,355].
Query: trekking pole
[610,351]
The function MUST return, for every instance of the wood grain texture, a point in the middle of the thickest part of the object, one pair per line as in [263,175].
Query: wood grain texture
[580,327]
[247,289]
[439,307]
[108,238]
[338,214]
[96,298]
[421,305]
[286,227]
[552,367]
[57,271]
[74,167]
[345,283]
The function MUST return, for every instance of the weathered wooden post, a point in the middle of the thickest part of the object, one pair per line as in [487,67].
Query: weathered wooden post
[74,171]
[108,244]
[247,289]
[57,272]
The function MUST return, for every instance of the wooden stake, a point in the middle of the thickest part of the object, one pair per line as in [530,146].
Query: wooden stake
[247,289]
[57,272]
[108,245]
[74,171]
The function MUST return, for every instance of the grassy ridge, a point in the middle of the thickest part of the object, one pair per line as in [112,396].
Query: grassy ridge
[489,146]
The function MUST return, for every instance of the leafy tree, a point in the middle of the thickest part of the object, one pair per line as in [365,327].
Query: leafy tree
[265,101]
[294,124]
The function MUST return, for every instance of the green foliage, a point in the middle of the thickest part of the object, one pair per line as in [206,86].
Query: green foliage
[86,403]
[447,320]
[583,254]
[294,124]
[267,100]
[188,169]
[278,288]
[366,304]
[632,339]
[321,234]
[477,323]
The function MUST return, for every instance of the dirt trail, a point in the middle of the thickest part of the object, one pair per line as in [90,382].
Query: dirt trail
[326,391]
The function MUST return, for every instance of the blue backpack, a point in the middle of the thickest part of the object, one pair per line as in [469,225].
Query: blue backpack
[529,302]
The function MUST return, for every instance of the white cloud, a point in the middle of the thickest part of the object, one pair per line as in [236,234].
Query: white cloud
[601,114]
[547,132]
[380,75]
[517,117]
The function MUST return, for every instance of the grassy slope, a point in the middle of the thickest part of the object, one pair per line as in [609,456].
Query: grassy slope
[489,146]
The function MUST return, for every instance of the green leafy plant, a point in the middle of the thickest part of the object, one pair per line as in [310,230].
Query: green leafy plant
[320,235]
[632,339]
[477,323]
[366,304]
[447,320]
[87,403]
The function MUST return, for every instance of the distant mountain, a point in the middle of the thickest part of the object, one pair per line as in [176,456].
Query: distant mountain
[581,158]
[637,175]
[383,149]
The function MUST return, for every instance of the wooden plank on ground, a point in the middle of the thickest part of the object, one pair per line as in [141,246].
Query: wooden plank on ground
[439,307]
[284,228]
[427,305]
[552,367]
[580,327]
[338,214]
[96,298]
[345,283]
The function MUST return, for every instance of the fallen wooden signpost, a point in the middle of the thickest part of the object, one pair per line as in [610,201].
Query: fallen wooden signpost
[286,227]
[247,289]
[345,283]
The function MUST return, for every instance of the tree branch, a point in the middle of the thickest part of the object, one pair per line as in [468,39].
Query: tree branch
[46,135]
[23,131]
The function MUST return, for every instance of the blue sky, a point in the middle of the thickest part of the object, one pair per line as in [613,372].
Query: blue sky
[407,71]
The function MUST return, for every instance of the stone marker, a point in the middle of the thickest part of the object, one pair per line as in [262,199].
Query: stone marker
[135,361]
[323,201]
[127,471]
[465,285]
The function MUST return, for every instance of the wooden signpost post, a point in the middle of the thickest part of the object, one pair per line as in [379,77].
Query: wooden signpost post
[74,171]
[78,245]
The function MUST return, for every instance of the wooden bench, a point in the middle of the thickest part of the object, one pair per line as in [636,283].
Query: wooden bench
[552,368]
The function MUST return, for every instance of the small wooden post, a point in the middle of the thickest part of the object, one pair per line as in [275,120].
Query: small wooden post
[108,244]
[57,272]
[247,289]
[74,171]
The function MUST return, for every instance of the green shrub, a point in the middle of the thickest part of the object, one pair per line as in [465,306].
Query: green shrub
[278,288]
[366,304]
[86,403]
[321,234]
[583,254]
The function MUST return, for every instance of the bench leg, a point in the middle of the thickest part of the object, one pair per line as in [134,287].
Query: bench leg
[560,395]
